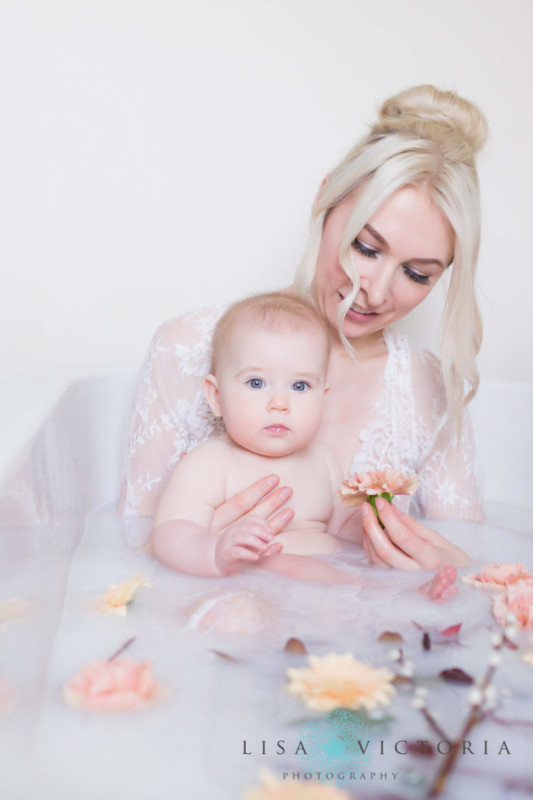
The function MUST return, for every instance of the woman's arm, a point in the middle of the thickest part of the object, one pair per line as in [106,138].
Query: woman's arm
[170,414]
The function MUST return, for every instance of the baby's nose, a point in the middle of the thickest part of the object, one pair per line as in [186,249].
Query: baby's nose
[278,401]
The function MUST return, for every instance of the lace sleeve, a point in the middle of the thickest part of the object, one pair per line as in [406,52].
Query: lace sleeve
[170,413]
[450,476]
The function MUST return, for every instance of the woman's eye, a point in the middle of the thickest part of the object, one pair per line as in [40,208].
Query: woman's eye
[256,383]
[300,386]
[417,277]
[364,250]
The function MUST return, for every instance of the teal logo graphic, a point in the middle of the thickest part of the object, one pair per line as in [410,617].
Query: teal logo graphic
[335,743]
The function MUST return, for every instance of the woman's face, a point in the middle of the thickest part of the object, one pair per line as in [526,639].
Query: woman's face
[400,255]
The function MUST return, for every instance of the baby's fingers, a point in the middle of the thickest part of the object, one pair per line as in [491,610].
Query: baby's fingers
[271,550]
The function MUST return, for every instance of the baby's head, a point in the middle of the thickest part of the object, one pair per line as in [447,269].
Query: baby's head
[269,367]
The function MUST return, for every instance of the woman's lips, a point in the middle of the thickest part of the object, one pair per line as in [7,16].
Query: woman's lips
[358,313]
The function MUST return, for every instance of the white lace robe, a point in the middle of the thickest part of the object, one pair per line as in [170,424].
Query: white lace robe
[171,416]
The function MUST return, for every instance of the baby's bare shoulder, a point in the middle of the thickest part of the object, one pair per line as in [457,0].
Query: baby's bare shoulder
[325,456]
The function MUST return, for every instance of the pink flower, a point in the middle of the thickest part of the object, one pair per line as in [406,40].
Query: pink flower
[498,576]
[362,485]
[121,684]
[517,600]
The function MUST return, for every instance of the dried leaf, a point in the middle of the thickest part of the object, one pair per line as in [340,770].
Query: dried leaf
[390,636]
[452,631]
[402,679]
[426,641]
[456,675]
[225,656]
[294,645]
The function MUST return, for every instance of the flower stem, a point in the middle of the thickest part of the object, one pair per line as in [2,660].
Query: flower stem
[121,649]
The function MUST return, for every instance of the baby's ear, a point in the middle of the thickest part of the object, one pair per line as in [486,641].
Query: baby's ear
[212,394]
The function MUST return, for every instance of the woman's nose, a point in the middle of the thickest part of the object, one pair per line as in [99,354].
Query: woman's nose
[376,284]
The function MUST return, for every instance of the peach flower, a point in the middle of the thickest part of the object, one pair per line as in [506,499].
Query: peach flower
[119,596]
[336,681]
[386,482]
[517,600]
[272,788]
[498,576]
[14,610]
[121,684]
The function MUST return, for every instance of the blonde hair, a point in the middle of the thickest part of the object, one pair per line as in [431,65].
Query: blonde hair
[274,311]
[423,136]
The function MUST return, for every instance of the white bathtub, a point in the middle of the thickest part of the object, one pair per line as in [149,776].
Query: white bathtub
[62,544]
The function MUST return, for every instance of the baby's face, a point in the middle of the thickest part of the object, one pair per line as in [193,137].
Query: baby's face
[272,387]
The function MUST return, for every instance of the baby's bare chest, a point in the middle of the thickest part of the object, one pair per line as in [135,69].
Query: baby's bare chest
[309,478]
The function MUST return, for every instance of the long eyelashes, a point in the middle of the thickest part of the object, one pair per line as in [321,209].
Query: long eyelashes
[417,277]
[364,250]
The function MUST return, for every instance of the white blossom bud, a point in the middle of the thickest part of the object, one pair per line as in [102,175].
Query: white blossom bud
[475,696]
[496,639]
[407,669]
[491,698]
[510,618]
[418,702]
[395,655]
[421,691]
[495,659]
[511,632]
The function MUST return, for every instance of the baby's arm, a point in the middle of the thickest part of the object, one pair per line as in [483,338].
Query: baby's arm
[181,536]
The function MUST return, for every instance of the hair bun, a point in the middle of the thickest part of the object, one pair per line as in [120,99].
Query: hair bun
[423,106]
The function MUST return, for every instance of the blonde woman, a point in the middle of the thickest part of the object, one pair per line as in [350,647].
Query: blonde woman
[399,211]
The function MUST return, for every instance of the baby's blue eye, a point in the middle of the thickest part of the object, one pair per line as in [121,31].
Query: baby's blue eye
[256,383]
[300,386]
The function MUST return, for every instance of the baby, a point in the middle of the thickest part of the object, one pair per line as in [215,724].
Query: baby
[268,383]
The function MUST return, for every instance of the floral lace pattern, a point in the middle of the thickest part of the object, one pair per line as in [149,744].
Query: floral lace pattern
[171,416]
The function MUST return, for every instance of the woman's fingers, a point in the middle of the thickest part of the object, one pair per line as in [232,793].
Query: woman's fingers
[280,520]
[383,548]
[259,496]
[371,553]
[424,546]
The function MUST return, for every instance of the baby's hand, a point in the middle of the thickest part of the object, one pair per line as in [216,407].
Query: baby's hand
[247,539]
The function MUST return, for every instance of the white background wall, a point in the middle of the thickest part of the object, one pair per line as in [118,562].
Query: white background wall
[158,156]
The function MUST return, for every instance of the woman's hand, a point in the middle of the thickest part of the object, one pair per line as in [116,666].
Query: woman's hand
[260,500]
[406,543]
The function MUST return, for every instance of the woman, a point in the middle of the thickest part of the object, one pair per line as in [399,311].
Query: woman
[401,209]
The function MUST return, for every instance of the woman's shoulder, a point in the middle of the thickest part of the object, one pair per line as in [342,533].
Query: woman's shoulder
[189,329]
[182,345]
[422,371]
[423,361]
